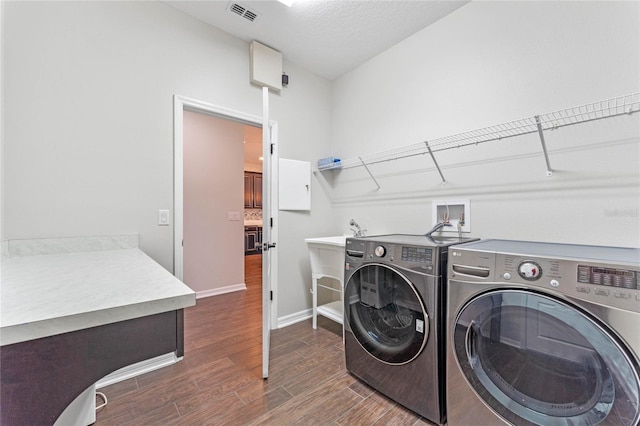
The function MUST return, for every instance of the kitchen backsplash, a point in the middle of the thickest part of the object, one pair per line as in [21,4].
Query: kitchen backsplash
[253,214]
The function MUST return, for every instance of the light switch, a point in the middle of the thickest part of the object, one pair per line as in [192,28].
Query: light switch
[233,215]
[163,217]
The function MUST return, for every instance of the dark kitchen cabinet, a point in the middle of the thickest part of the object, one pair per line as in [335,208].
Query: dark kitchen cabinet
[252,239]
[252,190]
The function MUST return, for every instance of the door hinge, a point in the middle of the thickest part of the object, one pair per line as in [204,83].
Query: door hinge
[270,295]
[270,222]
[272,148]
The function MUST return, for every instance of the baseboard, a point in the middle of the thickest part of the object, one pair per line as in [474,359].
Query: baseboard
[291,319]
[137,369]
[220,290]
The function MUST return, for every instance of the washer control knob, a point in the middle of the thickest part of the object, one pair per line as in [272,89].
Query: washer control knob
[506,276]
[380,251]
[529,270]
[554,283]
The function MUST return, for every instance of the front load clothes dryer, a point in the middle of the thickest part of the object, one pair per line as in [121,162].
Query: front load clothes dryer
[543,334]
[394,318]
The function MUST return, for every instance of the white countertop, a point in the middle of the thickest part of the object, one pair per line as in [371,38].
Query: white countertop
[44,295]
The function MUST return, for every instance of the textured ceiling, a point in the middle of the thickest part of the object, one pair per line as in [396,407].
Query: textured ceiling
[328,37]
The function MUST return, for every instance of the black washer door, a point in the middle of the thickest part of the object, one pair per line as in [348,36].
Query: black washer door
[537,360]
[386,314]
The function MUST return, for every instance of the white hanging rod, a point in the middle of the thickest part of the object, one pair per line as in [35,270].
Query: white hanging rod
[626,104]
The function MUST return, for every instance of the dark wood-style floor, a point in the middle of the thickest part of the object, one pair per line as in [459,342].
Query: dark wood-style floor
[219,381]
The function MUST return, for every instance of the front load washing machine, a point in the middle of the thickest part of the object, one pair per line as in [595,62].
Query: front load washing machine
[394,317]
[543,334]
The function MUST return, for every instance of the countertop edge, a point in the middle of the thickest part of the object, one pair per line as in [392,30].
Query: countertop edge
[50,327]
[327,241]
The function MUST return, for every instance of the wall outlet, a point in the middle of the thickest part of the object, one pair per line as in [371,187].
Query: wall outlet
[454,212]
[233,215]
[163,217]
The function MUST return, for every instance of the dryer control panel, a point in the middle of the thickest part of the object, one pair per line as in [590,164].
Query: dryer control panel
[612,277]
[605,276]
[599,283]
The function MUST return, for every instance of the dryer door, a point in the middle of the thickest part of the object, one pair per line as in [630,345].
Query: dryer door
[537,360]
[386,314]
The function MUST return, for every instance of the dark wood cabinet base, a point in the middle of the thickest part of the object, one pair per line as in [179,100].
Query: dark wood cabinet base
[41,377]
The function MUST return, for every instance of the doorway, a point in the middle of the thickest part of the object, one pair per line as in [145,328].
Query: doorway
[233,217]
[252,142]
[213,208]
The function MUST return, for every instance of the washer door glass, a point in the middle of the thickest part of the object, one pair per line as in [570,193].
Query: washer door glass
[386,314]
[537,360]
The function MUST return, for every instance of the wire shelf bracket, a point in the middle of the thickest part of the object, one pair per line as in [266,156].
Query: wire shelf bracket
[370,174]
[433,157]
[544,146]
[612,107]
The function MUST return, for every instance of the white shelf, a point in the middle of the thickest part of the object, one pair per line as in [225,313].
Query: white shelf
[333,311]
[626,104]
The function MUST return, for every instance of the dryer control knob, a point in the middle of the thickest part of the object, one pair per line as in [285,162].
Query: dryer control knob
[529,270]
[506,276]
[380,251]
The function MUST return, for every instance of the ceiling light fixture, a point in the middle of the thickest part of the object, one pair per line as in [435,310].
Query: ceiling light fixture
[288,3]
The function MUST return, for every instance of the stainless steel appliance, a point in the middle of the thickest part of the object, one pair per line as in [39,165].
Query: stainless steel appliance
[394,317]
[543,334]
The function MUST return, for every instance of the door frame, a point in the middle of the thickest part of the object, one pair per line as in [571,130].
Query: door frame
[180,104]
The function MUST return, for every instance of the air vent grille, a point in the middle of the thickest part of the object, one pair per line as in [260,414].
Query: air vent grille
[242,11]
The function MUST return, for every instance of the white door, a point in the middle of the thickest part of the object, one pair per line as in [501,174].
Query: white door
[269,230]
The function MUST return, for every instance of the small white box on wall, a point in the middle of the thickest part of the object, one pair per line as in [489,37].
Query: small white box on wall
[454,212]
[294,186]
[265,66]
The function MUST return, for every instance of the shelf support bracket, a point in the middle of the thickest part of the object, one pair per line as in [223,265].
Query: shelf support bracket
[369,171]
[544,145]
[433,157]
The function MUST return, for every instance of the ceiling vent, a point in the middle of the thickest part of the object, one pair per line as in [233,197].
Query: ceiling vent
[242,11]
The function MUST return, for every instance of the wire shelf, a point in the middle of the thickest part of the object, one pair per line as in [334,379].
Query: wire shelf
[626,104]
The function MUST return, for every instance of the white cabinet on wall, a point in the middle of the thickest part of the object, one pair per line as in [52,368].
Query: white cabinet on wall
[294,192]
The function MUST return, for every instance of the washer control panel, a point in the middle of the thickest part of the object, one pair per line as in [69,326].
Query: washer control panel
[418,258]
[417,254]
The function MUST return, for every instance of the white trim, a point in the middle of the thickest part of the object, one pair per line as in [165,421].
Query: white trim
[294,318]
[138,369]
[178,185]
[221,290]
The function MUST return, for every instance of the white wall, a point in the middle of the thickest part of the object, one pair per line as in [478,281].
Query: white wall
[213,186]
[488,63]
[88,122]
